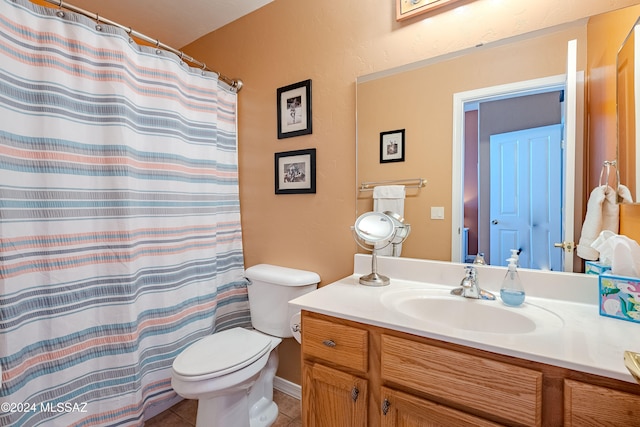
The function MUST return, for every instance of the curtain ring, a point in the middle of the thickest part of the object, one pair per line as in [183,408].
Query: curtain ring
[98,26]
[60,12]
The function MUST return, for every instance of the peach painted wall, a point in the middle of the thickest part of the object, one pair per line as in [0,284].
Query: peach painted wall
[332,42]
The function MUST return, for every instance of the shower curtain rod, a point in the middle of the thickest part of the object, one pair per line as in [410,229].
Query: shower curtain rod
[235,85]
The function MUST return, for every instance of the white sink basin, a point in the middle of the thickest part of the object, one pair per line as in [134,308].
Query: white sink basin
[439,307]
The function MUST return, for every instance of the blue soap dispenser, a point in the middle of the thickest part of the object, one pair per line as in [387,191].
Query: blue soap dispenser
[512,291]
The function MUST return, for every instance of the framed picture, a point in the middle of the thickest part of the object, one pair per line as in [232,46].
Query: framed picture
[392,146]
[294,109]
[296,172]
[409,8]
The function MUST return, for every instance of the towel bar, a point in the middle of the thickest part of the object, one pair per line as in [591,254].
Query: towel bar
[409,183]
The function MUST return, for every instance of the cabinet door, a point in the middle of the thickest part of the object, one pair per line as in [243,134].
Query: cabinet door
[404,410]
[483,385]
[590,405]
[332,398]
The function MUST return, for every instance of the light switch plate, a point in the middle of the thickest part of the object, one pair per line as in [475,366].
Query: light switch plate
[437,212]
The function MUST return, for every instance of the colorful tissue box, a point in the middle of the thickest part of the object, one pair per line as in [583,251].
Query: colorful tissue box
[593,267]
[620,297]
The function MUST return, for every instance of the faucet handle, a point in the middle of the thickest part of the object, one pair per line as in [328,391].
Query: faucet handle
[470,271]
[469,277]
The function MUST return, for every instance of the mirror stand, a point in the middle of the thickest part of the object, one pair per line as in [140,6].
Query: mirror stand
[374,279]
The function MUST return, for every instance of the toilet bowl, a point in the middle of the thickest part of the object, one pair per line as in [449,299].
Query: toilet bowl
[231,372]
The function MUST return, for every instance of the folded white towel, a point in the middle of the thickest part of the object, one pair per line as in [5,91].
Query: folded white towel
[602,214]
[389,198]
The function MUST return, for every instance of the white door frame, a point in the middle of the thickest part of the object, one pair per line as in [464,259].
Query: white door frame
[523,88]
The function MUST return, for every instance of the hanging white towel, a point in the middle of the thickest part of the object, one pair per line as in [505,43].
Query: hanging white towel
[624,194]
[602,214]
[389,198]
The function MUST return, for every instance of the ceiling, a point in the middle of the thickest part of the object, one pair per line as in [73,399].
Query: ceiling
[173,22]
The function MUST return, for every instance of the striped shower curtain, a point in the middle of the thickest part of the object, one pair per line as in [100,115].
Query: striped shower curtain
[120,239]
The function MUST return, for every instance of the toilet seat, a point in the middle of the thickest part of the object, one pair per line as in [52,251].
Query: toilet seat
[220,354]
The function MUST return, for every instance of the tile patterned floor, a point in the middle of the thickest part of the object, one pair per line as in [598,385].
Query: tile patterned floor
[184,413]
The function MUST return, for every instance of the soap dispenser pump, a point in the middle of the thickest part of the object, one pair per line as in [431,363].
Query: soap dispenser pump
[515,254]
[512,291]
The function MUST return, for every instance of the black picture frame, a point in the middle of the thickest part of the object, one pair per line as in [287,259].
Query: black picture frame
[392,146]
[294,110]
[295,172]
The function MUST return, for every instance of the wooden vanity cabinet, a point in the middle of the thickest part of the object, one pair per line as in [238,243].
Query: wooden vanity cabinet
[361,375]
[335,369]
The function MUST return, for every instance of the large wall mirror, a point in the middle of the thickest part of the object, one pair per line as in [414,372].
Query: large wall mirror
[528,74]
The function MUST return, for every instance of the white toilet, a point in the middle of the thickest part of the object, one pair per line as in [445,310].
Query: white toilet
[231,372]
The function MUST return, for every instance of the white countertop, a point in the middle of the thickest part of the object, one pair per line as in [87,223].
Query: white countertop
[584,341]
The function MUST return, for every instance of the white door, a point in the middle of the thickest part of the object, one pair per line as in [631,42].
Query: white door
[526,197]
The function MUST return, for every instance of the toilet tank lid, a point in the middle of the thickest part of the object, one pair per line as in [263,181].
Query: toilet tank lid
[281,275]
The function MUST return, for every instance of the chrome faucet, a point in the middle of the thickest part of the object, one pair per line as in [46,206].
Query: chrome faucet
[470,288]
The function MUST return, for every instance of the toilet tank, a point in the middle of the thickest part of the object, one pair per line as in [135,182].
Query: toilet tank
[270,289]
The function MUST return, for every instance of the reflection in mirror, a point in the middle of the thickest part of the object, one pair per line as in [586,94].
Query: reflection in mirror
[419,98]
[402,232]
[523,135]
[421,102]
[627,99]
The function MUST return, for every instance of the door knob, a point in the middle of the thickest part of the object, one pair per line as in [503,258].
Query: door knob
[566,246]
[494,222]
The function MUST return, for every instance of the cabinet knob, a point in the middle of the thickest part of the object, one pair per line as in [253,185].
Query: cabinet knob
[385,406]
[329,343]
[354,393]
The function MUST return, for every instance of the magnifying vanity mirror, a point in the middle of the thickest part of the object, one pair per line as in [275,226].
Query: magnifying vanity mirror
[377,230]
[420,98]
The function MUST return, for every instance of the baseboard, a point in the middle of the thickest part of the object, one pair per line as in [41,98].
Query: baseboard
[287,387]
